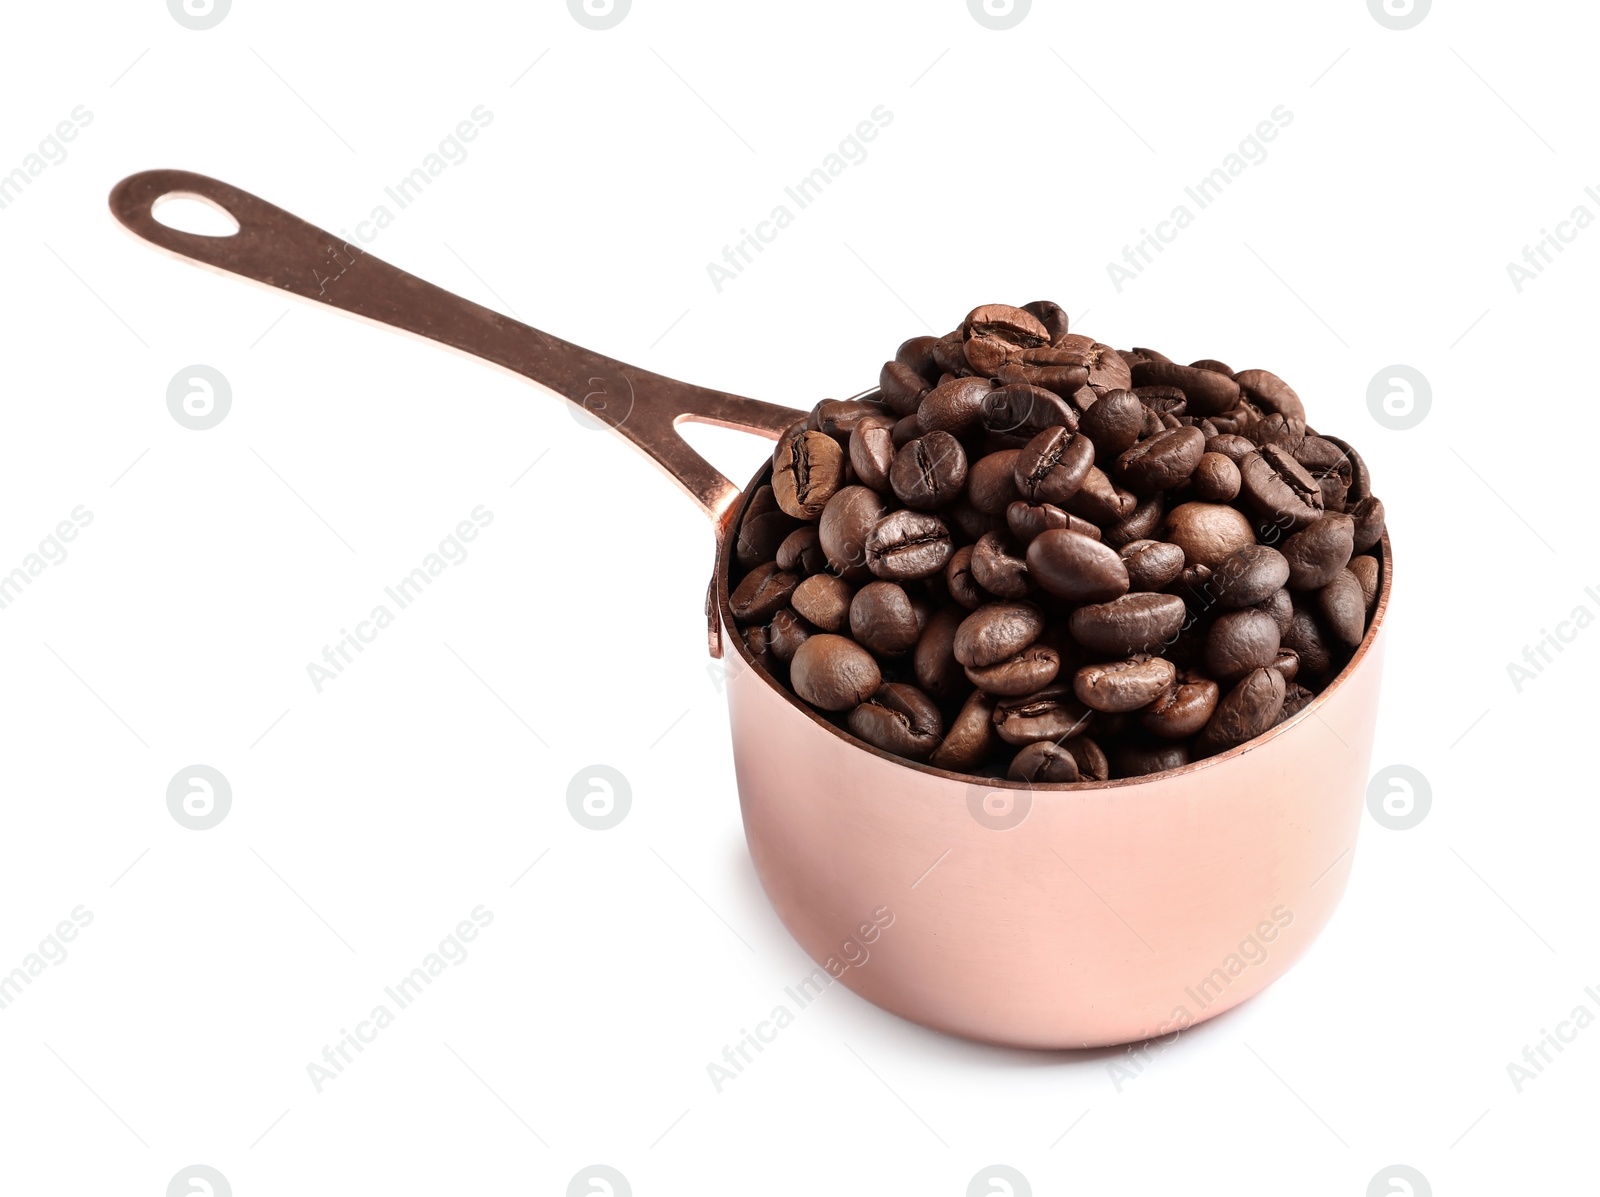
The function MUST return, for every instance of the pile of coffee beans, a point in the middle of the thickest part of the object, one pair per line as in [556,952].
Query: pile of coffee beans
[1038,557]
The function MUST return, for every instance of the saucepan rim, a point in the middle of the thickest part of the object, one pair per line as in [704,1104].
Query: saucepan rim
[731,640]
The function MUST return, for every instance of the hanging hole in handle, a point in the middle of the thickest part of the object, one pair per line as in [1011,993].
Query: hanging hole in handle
[188,212]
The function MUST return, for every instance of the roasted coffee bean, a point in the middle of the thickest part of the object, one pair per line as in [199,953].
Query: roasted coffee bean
[1280,606]
[834,673]
[968,523]
[905,430]
[1287,662]
[1123,685]
[1208,533]
[761,593]
[1369,517]
[786,633]
[1366,571]
[1053,465]
[846,522]
[1017,326]
[1090,757]
[762,529]
[1276,487]
[1074,567]
[929,472]
[1238,642]
[1194,588]
[934,661]
[1209,393]
[824,600]
[1306,637]
[801,551]
[997,568]
[1271,394]
[1101,500]
[1164,401]
[1319,551]
[1216,478]
[1296,698]
[906,545]
[1140,757]
[1113,424]
[995,632]
[1049,314]
[838,417]
[1108,371]
[1149,355]
[955,407]
[1278,432]
[1247,710]
[1051,714]
[1027,520]
[1234,448]
[902,387]
[1343,608]
[1211,363]
[1140,524]
[949,356]
[1043,762]
[1327,463]
[1020,411]
[807,470]
[883,619]
[872,453]
[1249,576]
[971,737]
[1183,709]
[917,352]
[900,719]
[1030,671]
[1130,625]
[990,486]
[1151,564]
[958,579]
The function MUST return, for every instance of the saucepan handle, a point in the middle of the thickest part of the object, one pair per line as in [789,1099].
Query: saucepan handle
[277,248]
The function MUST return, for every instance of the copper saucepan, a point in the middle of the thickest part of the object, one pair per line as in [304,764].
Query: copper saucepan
[1053,916]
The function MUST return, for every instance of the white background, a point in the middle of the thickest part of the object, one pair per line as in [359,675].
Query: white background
[370,818]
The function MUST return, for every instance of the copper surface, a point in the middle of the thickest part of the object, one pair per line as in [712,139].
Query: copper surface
[1047,917]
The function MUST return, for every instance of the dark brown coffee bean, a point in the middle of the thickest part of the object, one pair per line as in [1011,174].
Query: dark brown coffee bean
[1053,465]
[1030,671]
[824,600]
[882,618]
[1238,642]
[1051,315]
[917,352]
[1208,533]
[1249,576]
[1108,370]
[996,567]
[755,639]
[872,453]
[929,472]
[1027,520]
[934,661]
[1216,478]
[1185,708]
[761,530]
[990,487]
[1018,412]
[786,633]
[1366,571]
[846,522]
[1343,607]
[958,579]
[834,673]
[1149,355]
[1101,500]
[968,522]
[1051,714]
[900,719]
[971,737]
[906,545]
[1327,463]
[1276,487]
[995,632]
[1113,424]
[761,593]
[838,417]
[1296,698]
[801,551]
[1151,564]
[949,357]
[1318,552]
[1246,711]
[1043,762]
[1287,662]
[1369,517]
[1123,685]
[1306,637]
[906,429]
[1211,363]
[1194,588]
[807,470]
[955,407]
[1280,606]
[1142,756]
[1164,401]
[1140,524]
[1130,625]
[1209,393]
[1017,326]
[1074,567]
[1090,758]
[1271,394]
[902,387]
